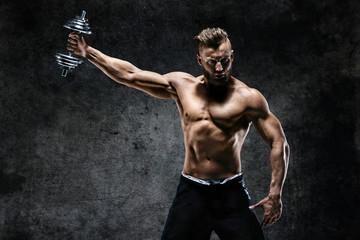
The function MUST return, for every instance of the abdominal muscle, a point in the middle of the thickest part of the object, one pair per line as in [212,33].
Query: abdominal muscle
[212,152]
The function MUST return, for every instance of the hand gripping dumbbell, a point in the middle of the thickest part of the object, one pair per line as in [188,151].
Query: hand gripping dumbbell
[69,62]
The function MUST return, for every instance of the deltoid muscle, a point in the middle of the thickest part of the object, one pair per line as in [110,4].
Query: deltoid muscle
[69,62]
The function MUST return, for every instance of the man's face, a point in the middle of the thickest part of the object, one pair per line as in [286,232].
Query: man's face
[217,63]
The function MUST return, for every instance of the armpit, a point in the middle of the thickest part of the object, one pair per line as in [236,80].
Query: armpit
[171,89]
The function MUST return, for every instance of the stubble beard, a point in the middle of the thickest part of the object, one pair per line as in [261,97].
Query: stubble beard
[217,81]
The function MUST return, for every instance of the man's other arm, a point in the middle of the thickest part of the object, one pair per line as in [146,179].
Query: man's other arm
[271,131]
[123,72]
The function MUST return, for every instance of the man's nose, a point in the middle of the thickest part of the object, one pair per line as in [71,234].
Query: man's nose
[218,67]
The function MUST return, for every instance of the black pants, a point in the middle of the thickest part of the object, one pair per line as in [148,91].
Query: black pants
[199,209]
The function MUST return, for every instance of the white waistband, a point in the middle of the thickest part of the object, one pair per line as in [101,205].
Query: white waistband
[210,181]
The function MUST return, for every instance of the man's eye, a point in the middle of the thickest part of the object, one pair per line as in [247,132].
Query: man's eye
[212,62]
[225,60]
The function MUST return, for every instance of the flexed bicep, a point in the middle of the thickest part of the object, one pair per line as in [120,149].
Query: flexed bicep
[263,120]
[269,128]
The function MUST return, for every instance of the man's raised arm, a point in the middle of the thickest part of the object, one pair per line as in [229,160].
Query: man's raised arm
[122,71]
[271,131]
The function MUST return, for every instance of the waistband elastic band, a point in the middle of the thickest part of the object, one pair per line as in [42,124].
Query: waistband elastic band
[210,181]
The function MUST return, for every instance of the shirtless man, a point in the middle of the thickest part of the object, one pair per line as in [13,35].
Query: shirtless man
[216,112]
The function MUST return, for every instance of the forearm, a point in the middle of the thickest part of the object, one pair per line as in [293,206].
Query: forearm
[279,158]
[118,70]
[122,71]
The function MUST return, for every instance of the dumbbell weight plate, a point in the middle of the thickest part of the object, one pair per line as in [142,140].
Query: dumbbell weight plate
[68,62]
[79,24]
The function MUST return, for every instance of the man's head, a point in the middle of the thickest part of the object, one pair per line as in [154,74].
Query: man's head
[215,55]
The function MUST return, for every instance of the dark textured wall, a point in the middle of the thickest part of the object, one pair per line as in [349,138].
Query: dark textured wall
[85,158]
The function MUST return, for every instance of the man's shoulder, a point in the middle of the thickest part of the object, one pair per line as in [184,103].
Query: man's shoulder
[251,97]
[245,91]
[179,77]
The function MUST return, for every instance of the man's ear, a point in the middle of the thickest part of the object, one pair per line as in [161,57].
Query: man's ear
[198,59]
[232,55]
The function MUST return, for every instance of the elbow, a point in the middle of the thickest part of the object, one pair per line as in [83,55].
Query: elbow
[123,72]
[279,142]
[129,77]
[133,77]
[282,147]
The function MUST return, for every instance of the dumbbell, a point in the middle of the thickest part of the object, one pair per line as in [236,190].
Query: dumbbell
[69,62]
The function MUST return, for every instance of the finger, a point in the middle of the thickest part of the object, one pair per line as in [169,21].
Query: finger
[73,39]
[274,218]
[70,41]
[271,221]
[71,45]
[265,222]
[74,35]
[254,206]
[266,218]
[257,205]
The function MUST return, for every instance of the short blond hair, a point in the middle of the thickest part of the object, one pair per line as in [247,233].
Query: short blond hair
[211,37]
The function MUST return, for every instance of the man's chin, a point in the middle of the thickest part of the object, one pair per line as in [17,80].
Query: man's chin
[219,81]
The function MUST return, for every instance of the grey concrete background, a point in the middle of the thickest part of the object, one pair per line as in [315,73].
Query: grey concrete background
[85,158]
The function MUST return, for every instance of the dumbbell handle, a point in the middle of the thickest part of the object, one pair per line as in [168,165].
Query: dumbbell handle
[66,70]
[83,14]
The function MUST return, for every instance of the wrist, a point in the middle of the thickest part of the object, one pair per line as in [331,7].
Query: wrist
[276,195]
[87,52]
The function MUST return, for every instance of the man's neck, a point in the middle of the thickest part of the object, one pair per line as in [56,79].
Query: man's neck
[218,92]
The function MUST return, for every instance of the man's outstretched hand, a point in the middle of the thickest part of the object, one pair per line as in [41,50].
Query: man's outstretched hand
[77,44]
[272,210]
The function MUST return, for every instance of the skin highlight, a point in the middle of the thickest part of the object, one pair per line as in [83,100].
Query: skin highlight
[216,112]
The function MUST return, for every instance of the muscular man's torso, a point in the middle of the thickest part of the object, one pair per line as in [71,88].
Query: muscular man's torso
[214,127]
